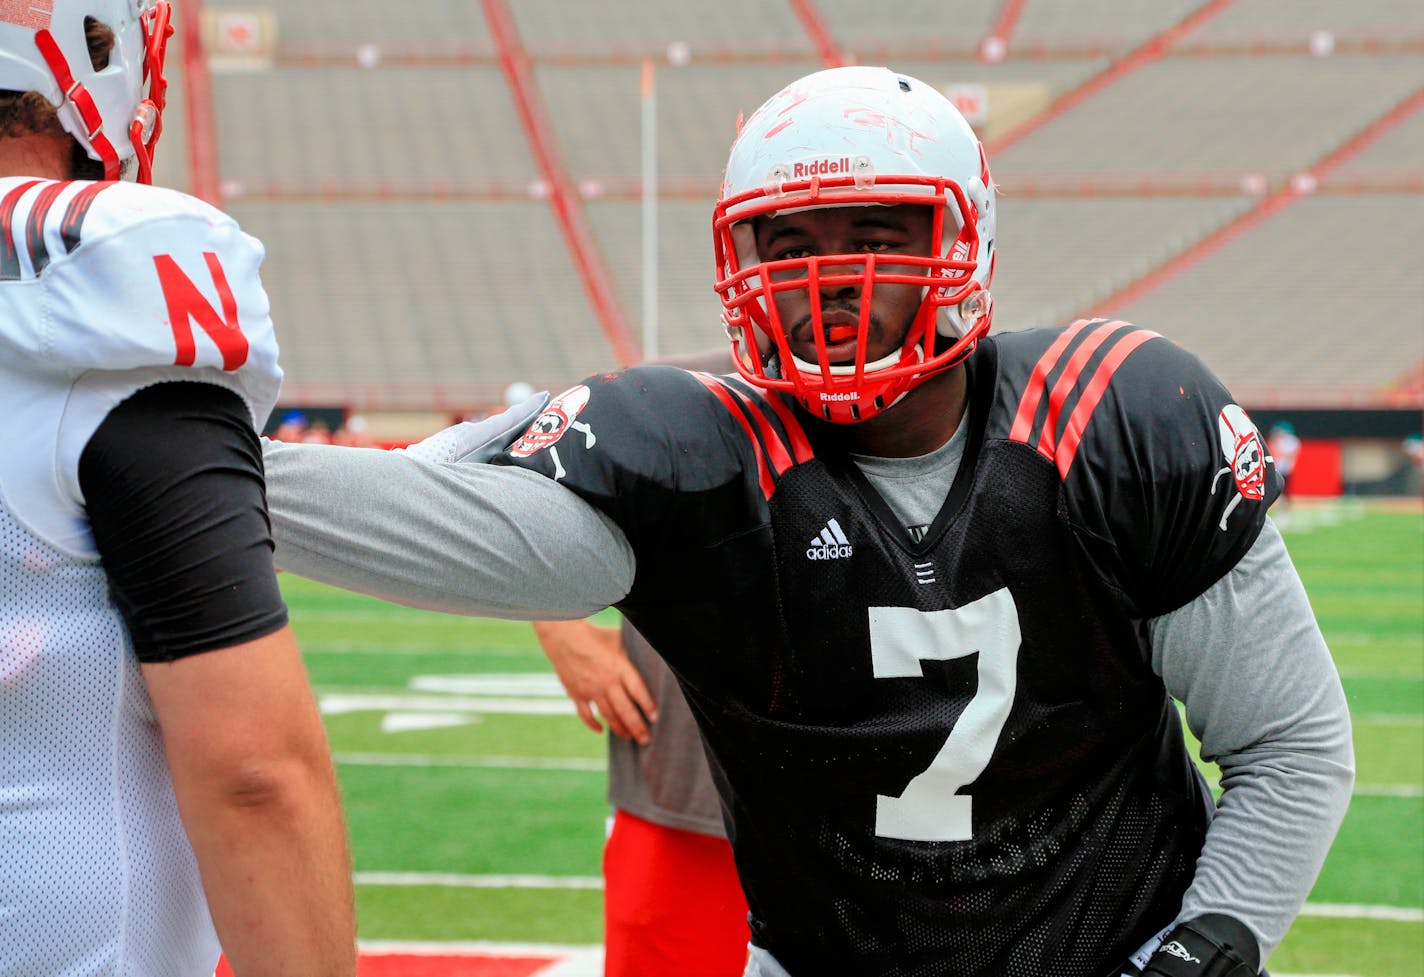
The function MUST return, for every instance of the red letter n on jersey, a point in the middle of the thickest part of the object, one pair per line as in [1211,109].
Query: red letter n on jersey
[186,305]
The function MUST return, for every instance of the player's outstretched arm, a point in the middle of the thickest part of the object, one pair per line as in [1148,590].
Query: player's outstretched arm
[599,677]
[253,776]
[485,540]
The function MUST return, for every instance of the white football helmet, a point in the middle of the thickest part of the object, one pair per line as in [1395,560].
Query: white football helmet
[848,137]
[115,114]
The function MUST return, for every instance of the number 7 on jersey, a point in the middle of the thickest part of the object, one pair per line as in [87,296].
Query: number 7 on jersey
[931,807]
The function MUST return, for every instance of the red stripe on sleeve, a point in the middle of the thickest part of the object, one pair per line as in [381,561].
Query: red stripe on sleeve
[768,487]
[775,447]
[9,247]
[1038,381]
[34,226]
[78,209]
[1078,422]
[800,444]
[1048,441]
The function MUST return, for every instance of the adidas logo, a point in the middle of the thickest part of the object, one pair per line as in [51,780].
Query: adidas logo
[831,544]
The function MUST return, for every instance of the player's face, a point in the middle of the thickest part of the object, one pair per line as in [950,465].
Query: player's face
[886,231]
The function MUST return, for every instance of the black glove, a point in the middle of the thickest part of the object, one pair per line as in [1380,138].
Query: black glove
[1208,946]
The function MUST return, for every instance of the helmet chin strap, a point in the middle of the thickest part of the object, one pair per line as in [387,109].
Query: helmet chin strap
[147,122]
[78,96]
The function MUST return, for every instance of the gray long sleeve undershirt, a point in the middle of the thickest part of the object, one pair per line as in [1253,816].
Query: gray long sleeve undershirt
[1246,657]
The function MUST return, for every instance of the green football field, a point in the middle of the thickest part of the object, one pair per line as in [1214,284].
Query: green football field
[476,798]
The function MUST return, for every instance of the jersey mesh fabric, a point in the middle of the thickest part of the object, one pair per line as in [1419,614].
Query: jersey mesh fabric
[986,689]
[96,876]
[1076,849]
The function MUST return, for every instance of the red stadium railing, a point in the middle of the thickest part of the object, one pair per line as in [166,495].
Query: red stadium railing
[1191,37]
[1152,49]
[1302,185]
[832,55]
[202,131]
[588,260]
[704,189]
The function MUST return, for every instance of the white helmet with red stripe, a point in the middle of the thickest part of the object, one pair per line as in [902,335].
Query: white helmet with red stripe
[848,137]
[115,113]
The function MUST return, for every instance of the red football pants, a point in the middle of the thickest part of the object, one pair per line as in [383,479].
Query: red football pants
[672,905]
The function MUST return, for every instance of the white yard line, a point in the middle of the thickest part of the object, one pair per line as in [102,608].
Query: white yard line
[1337,910]
[348,646]
[1389,719]
[1330,910]
[585,963]
[451,880]
[577,764]
[597,765]
[336,703]
[1389,790]
[434,948]
[570,961]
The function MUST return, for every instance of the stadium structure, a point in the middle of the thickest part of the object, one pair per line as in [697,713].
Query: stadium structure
[455,195]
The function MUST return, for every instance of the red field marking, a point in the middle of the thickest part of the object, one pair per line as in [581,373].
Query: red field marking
[441,965]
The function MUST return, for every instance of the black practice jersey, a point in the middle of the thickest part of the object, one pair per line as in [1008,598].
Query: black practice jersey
[951,756]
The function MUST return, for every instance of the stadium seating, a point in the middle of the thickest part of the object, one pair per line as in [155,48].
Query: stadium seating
[1223,173]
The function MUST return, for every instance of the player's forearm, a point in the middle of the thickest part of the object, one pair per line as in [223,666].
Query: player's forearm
[1263,696]
[1283,799]
[1267,843]
[465,538]
[271,847]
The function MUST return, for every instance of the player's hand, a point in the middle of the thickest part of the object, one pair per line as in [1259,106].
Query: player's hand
[1208,946]
[479,440]
[599,677]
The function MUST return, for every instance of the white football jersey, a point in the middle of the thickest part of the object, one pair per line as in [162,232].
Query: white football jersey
[105,288]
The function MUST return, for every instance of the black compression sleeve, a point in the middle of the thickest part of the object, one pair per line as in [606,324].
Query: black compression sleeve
[172,482]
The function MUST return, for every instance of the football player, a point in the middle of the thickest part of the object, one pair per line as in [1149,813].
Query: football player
[671,900]
[165,781]
[930,593]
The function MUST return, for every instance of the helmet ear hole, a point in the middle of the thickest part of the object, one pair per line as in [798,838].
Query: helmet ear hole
[100,38]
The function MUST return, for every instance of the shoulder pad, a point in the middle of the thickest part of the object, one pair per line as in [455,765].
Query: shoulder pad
[117,276]
[1165,475]
[1058,380]
[651,425]
[121,277]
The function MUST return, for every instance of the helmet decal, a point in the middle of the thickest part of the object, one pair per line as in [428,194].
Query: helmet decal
[33,14]
[896,132]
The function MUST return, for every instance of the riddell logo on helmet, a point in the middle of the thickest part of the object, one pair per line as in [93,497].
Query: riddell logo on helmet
[836,397]
[820,167]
